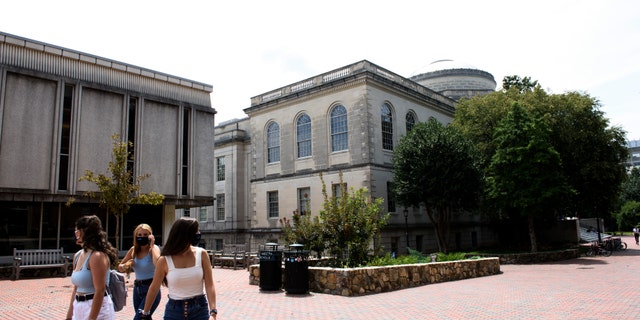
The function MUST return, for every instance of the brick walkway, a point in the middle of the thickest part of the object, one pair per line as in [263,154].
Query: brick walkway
[584,288]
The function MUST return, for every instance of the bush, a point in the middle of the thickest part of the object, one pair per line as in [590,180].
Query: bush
[414,257]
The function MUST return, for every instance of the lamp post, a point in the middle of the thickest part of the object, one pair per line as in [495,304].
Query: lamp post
[406,226]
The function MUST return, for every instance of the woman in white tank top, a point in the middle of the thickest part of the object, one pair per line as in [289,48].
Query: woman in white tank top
[186,270]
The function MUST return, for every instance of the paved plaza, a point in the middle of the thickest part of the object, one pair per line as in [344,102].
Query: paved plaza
[584,288]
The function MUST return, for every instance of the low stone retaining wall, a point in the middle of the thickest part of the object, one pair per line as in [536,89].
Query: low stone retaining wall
[369,280]
[532,258]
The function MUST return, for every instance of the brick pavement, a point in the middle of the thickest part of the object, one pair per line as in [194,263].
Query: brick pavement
[584,288]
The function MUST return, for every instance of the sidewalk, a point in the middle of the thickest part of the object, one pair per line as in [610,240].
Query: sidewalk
[584,288]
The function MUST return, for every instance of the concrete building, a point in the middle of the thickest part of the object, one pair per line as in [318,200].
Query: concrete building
[58,110]
[634,154]
[345,120]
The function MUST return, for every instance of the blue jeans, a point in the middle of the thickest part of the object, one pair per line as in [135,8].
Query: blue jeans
[196,308]
[140,296]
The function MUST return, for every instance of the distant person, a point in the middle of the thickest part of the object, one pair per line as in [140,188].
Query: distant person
[141,259]
[636,233]
[90,276]
[186,270]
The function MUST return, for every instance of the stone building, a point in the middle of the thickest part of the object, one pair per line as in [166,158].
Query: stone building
[345,120]
[58,110]
[455,80]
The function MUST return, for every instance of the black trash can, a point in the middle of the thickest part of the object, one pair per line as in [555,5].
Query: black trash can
[270,267]
[296,270]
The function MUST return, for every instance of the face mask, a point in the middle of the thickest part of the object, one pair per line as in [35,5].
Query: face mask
[196,239]
[143,241]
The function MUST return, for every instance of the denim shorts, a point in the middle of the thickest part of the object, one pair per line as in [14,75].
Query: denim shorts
[196,308]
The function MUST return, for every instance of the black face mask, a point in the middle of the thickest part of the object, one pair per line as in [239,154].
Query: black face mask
[196,239]
[143,241]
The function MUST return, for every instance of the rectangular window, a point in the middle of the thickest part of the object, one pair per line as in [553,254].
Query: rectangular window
[203,214]
[220,169]
[186,212]
[219,244]
[272,199]
[474,239]
[220,205]
[131,136]
[304,200]
[185,151]
[65,139]
[391,201]
[394,246]
[337,190]
[419,239]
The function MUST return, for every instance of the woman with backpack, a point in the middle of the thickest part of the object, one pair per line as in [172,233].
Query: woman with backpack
[141,259]
[186,270]
[90,277]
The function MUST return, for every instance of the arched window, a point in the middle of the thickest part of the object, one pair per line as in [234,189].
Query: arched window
[303,135]
[386,121]
[411,121]
[273,143]
[339,133]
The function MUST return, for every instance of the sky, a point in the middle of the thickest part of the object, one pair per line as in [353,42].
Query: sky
[247,48]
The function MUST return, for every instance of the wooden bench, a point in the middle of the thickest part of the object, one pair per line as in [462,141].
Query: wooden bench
[39,258]
[232,255]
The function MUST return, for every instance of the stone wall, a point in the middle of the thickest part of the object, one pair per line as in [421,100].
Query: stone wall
[370,280]
[538,257]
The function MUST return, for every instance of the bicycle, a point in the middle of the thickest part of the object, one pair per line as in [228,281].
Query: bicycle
[614,244]
[595,249]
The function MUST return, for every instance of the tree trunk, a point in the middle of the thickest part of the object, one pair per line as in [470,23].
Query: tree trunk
[439,228]
[532,235]
[117,232]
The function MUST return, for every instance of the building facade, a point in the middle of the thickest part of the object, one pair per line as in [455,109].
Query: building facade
[59,109]
[345,121]
[634,154]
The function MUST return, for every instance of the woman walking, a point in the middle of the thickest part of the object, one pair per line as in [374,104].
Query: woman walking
[142,258]
[90,277]
[186,270]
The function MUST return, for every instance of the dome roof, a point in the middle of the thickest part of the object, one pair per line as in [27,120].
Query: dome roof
[444,64]
[455,79]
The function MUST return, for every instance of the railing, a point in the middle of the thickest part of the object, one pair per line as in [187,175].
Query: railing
[356,68]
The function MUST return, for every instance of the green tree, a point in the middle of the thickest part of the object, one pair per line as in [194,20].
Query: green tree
[349,224]
[628,216]
[306,230]
[119,190]
[436,166]
[591,151]
[630,189]
[593,154]
[525,173]
[520,84]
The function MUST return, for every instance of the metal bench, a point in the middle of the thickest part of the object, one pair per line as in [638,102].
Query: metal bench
[232,255]
[39,258]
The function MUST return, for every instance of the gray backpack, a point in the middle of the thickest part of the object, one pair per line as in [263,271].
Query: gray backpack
[117,289]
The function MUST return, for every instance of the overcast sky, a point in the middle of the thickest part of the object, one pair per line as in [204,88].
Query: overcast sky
[246,48]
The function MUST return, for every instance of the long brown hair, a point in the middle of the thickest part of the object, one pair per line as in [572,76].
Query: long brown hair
[95,238]
[180,236]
